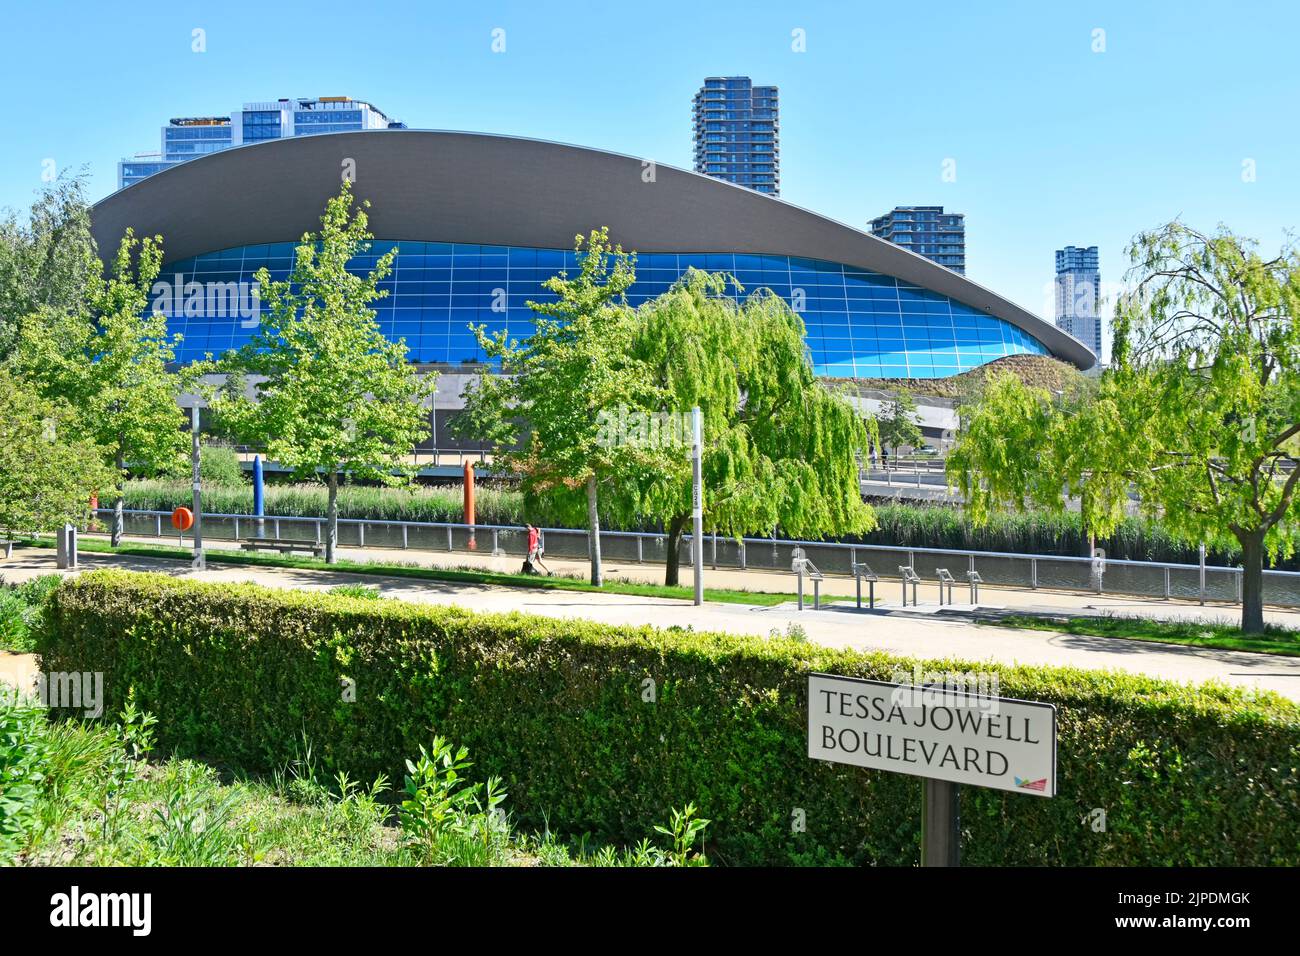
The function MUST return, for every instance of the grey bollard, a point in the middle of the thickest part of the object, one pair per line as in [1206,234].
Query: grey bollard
[66,547]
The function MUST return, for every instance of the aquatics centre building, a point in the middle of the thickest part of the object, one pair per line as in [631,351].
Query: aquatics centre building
[481,220]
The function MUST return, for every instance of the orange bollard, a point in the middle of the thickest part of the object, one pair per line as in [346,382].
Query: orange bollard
[469,503]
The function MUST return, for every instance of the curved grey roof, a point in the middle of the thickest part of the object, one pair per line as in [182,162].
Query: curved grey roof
[501,190]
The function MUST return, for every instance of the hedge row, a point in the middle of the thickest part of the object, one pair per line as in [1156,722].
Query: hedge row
[239,673]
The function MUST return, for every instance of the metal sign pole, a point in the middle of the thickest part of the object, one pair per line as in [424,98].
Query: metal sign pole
[199,564]
[697,503]
[940,823]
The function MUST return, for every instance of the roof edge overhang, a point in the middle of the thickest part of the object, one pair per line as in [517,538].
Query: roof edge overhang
[509,191]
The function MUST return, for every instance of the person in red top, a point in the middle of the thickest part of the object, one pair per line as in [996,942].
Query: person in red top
[535,552]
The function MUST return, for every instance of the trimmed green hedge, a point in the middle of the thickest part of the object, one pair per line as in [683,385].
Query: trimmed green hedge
[239,673]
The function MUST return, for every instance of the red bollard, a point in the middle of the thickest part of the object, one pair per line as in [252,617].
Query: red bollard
[469,503]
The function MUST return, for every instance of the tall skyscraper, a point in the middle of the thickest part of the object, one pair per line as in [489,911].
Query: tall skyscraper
[1078,295]
[189,138]
[738,133]
[928,231]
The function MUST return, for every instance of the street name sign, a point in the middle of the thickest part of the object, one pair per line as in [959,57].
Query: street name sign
[934,732]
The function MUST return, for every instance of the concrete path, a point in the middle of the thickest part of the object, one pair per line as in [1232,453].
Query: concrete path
[920,636]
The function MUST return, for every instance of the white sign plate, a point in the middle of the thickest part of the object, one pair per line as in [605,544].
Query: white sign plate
[935,732]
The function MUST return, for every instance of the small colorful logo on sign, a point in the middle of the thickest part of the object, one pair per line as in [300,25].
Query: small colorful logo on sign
[1039,785]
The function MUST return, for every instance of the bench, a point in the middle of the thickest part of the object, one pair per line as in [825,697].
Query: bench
[283,545]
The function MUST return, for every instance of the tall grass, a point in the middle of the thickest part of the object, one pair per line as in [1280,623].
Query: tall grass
[441,503]
[944,526]
[930,526]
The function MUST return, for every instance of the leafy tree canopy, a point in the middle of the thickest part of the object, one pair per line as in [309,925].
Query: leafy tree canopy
[330,393]
[1198,420]
[48,469]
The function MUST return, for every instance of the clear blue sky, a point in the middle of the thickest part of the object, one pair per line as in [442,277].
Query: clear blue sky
[1054,144]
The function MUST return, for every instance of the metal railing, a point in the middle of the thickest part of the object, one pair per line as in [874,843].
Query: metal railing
[999,568]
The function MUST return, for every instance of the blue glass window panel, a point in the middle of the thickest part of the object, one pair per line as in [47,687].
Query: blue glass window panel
[437,289]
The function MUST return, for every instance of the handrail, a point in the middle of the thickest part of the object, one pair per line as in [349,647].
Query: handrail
[744,541]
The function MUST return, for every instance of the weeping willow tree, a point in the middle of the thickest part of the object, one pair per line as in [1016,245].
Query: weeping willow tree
[780,450]
[1197,421]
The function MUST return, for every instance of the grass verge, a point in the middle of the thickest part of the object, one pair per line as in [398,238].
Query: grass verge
[420,572]
[1198,633]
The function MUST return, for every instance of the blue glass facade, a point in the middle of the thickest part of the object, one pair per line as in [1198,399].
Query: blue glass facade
[859,323]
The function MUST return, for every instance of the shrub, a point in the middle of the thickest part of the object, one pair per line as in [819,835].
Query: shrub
[20,611]
[220,467]
[23,748]
[1205,775]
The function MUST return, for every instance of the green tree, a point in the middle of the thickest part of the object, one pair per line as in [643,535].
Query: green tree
[109,359]
[780,450]
[898,422]
[1198,419]
[47,261]
[48,470]
[543,414]
[330,395]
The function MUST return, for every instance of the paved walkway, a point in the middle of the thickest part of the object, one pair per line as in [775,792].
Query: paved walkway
[920,636]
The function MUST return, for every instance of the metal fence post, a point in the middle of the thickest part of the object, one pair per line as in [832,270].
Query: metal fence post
[1167,589]
[743,565]
[361,534]
[405,537]
[449,547]
[1201,553]
[1033,573]
[159,517]
[277,527]
[640,551]
[318,522]
[236,527]
[715,551]
[1240,573]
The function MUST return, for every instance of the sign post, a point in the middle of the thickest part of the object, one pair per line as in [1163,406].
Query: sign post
[697,503]
[946,736]
[940,823]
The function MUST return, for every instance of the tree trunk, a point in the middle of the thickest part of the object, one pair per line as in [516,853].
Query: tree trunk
[593,527]
[332,522]
[1252,582]
[675,527]
[119,519]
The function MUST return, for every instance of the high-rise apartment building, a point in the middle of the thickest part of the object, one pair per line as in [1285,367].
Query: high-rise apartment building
[189,138]
[1078,295]
[928,231]
[738,133]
